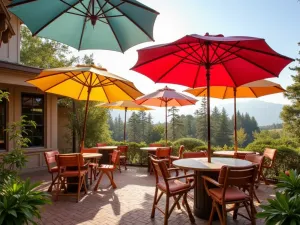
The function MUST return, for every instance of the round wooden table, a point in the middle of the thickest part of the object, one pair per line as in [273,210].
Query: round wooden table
[202,202]
[151,150]
[105,150]
[231,153]
[91,155]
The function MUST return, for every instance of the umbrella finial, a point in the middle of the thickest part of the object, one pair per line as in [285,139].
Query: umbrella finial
[93,19]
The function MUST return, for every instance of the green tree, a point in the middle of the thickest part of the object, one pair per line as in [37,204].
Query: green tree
[201,121]
[291,113]
[149,129]
[158,132]
[215,124]
[134,128]
[176,124]
[223,135]
[143,125]
[44,53]
[189,123]
[241,137]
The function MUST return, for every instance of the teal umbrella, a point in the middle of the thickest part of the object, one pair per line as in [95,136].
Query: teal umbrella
[115,25]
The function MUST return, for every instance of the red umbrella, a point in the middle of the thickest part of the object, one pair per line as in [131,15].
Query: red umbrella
[196,61]
[166,97]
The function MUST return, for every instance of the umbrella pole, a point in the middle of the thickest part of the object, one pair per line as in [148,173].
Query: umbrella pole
[125,125]
[166,124]
[85,118]
[235,127]
[208,114]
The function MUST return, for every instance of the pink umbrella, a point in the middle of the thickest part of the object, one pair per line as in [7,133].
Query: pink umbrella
[166,97]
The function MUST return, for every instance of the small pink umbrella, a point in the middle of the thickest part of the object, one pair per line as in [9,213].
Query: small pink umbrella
[166,97]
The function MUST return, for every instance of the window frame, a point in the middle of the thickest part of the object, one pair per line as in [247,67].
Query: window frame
[35,95]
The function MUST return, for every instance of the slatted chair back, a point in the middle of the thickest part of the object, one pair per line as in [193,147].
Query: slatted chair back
[89,150]
[115,157]
[163,152]
[180,151]
[238,176]
[70,160]
[270,154]
[50,158]
[123,149]
[201,154]
[258,160]
[155,145]
[101,144]
[160,170]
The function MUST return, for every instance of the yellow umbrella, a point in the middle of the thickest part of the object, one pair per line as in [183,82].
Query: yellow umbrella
[86,82]
[251,90]
[124,105]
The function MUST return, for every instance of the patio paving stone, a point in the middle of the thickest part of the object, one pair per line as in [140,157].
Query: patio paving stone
[129,204]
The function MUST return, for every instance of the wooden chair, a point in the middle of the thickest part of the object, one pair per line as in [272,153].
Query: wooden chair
[123,156]
[171,187]
[109,169]
[101,144]
[162,154]
[227,192]
[270,155]
[93,165]
[155,145]
[258,160]
[73,165]
[52,166]
[180,152]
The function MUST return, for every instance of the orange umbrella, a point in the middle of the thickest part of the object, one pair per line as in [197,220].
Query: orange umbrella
[166,97]
[254,89]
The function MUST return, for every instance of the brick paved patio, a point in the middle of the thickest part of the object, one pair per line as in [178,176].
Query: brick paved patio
[130,203]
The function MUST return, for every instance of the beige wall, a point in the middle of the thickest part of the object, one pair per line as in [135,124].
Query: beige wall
[35,155]
[10,52]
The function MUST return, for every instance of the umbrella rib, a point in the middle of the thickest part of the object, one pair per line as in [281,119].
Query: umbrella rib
[225,51]
[83,28]
[100,7]
[203,54]
[197,74]
[227,70]
[141,28]
[113,31]
[254,63]
[225,92]
[80,92]
[58,83]
[253,92]
[87,9]
[59,15]
[214,53]
[188,53]
[76,14]
[185,58]
[122,89]
[73,6]
[112,7]
[105,94]
[75,78]
[192,47]
[266,53]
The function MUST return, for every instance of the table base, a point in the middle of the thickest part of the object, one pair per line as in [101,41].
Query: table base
[105,159]
[202,202]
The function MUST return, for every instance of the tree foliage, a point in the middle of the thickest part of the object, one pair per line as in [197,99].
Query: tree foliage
[291,113]
[176,124]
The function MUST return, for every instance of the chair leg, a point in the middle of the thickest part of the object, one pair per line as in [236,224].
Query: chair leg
[111,179]
[119,167]
[212,212]
[188,209]
[84,185]
[125,163]
[253,213]
[52,183]
[58,188]
[219,213]
[255,196]
[80,180]
[235,211]
[167,210]
[154,203]
[178,205]
[224,214]
[91,176]
[264,179]
[98,182]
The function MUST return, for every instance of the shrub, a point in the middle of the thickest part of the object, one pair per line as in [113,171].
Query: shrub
[189,143]
[19,202]
[281,210]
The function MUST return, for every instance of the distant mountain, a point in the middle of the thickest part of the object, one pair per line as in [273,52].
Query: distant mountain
[265,113]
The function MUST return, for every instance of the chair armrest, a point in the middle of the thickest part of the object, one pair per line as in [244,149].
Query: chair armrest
[206,178]
[179,177]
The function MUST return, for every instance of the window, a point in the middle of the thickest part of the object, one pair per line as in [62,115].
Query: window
[33,109]
[3,124]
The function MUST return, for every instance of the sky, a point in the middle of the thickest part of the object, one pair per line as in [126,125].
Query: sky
[275,21]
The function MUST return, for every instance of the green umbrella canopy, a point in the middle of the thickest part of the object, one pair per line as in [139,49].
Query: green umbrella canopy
[115,25]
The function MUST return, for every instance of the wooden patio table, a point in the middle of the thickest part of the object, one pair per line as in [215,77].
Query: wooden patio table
[202,202]
[105,150]
[151,150]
